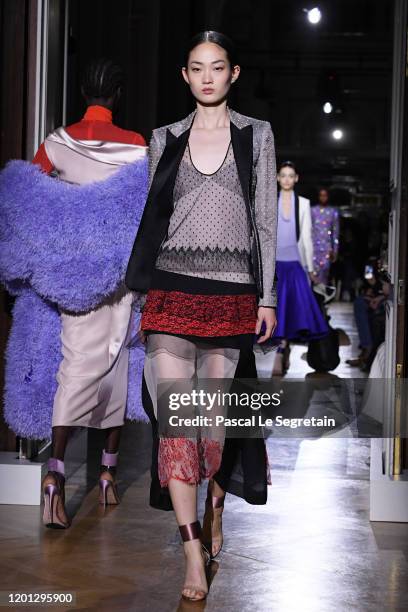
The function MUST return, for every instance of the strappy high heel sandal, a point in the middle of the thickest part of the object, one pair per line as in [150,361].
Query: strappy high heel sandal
[108,492]
[212,502]
[53,488]
[192,531]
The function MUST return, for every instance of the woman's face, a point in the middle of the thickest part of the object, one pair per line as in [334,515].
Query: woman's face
[323,197]
[209,73]
[287,178]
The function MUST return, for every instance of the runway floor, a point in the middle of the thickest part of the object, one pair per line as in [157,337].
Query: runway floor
[310,548]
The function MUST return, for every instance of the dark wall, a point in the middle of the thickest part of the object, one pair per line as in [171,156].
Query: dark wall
[13,28]
[289,68]
[13,71]
[126,31]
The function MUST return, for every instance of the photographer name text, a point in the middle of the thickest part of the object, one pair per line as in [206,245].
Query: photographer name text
[255,420]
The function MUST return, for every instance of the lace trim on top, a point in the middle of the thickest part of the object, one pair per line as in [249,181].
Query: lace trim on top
[209,231]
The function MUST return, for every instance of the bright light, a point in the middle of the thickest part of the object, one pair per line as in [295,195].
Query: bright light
[327,108]
[337,134]
[314,15]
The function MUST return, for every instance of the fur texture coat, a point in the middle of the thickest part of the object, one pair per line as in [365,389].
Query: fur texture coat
[64,246]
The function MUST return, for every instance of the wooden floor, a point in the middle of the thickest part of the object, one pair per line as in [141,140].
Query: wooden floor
[310,548]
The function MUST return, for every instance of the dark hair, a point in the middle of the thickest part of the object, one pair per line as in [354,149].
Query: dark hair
[287,164]
[222,40]
[102,78]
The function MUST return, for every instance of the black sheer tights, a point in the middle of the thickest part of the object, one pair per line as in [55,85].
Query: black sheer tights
[60,437]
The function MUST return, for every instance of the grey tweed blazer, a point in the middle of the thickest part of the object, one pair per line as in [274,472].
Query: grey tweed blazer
[254,151]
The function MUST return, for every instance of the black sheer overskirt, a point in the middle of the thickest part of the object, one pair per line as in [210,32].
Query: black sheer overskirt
[243,469]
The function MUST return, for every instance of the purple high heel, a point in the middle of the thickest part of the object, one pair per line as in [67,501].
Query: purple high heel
[54,496]
[108,493]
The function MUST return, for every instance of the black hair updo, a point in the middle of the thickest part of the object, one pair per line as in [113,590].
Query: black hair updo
[222,40]
[287,164]
[102,78]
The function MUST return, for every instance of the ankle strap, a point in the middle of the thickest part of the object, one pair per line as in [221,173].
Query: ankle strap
[109,459]
[191,531]
[56,465]
[215,502]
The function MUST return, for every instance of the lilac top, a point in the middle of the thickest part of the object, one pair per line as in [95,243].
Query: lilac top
[287,248]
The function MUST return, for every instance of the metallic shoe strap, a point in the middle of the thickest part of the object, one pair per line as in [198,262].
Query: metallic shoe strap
[109,459]
[191,531]
[215,501]
[56,465]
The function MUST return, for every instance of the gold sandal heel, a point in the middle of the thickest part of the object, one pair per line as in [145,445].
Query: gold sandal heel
[212,503]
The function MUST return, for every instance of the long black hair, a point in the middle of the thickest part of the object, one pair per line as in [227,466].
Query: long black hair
[102,78]
[222,40]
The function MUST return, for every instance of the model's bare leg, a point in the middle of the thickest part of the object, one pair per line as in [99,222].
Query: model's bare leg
[216,363]
[172,358]
[184,499]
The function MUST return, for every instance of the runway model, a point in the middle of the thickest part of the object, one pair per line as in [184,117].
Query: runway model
[298,314]
[92,377]
[325,224]
[205,255]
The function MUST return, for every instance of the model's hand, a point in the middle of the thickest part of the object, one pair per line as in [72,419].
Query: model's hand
[313,277]
[267,315]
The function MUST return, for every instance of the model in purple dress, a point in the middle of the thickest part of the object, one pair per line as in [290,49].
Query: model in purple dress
[298,314]
[325,220]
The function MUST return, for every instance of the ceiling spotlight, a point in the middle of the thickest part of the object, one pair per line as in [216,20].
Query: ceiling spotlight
[337,134]
[314,15]
[327,108]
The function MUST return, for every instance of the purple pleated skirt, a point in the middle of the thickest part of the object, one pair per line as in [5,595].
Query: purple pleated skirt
[298,313]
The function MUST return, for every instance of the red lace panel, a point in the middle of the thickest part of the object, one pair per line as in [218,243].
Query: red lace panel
[199,315]
[188,460]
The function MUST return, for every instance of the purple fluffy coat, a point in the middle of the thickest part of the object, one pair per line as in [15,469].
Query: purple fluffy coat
[62,246]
